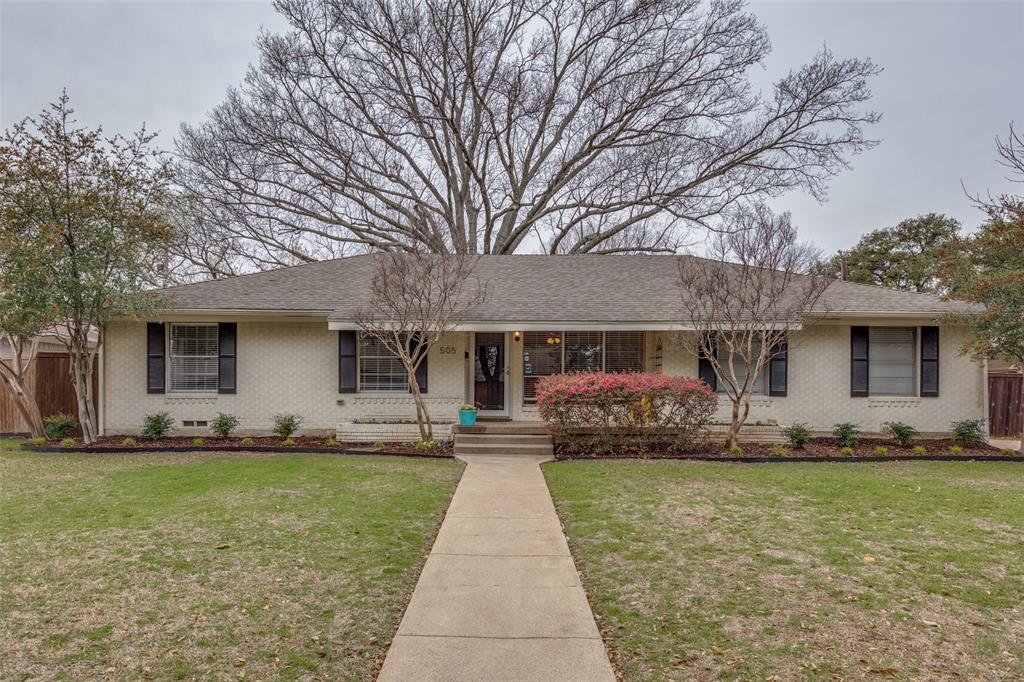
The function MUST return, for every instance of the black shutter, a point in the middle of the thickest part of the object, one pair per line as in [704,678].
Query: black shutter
[778,368]
[705,370]
[930,362]
[156,361]
[227,365]
[421,371]
[346,362]
[859,370]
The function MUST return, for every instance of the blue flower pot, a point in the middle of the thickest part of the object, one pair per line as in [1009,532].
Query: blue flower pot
[467,417]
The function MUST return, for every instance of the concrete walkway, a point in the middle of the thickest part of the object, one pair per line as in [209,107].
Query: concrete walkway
[499,597]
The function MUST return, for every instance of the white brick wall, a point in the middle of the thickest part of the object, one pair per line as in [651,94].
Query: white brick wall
[293,367]
[819,385]
[283,367]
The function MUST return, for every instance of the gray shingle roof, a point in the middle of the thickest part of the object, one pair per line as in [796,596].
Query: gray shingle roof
[525,288]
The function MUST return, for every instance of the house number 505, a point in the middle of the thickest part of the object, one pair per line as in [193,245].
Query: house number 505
[446,350]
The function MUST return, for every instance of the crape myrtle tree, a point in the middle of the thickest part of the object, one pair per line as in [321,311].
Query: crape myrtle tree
[92,211]
[25,311]
[987,268]
[415,298]
[741,302]
[493,127]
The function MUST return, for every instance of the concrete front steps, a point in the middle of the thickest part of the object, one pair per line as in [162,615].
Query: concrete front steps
[503,438]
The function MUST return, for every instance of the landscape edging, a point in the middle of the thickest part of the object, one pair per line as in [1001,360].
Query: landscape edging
[768,459]
[110,449]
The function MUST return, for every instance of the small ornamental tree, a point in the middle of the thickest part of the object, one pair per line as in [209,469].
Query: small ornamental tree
[742,301]
[94,209]
[415,299]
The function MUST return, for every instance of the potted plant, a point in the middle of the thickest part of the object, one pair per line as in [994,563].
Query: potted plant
[467,415]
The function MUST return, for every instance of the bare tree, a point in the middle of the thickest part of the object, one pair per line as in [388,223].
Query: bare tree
[415,299]
[490,127]
[743,301]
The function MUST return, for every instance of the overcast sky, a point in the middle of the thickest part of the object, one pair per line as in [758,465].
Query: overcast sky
[953,79]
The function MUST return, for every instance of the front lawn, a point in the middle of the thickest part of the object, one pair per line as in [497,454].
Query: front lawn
[210,565]
[801,571]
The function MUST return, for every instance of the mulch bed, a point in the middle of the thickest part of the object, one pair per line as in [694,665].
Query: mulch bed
[315,444]
[818,450]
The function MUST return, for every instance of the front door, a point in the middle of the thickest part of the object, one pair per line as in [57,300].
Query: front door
[489,374]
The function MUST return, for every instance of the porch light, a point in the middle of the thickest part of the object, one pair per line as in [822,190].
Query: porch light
[515,335]
[553,339]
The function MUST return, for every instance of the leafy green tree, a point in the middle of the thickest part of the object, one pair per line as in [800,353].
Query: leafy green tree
[25,311]
[902,257]
[988,268]
[93,208]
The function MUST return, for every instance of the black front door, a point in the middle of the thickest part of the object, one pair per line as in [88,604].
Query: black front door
[489,371]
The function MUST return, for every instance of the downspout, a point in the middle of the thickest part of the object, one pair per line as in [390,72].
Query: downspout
[984,396]
[101,412]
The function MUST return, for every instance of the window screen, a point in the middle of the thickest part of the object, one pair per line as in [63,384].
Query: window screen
[194,357]
[379,368]
[892,369]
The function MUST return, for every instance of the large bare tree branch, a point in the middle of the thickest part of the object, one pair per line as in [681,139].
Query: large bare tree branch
[489,127]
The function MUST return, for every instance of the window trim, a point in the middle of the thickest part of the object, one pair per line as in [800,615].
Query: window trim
[764,379]
[168,340]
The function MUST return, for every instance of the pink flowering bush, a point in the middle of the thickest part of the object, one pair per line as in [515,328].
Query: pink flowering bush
[627,413]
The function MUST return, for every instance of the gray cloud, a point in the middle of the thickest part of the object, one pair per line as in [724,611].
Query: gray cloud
[954,78]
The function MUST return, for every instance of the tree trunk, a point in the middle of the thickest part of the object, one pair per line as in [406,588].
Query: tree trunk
[422,413]
[1021,451]
[81,379]
[738,420]
[25,401]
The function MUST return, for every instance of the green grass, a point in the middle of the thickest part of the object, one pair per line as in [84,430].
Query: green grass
[209,565]
[801,571]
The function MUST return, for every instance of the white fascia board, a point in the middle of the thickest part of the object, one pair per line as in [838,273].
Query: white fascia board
[346,325]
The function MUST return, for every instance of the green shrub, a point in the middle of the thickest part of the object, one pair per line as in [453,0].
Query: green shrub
[956,450]
[60,425]
[247,441]
[881,450]
[846,434]
[331,443]
[285,425]
[920,449]
[1008,452]
[904,434]
[846,451]
[379,445]
[288,442]
[157,425]
[128,442]
[67,442]
[798,434]
[427,445]
[735,451]
[779,450]
[198,442]
[968,431]
[38,440]
[224,424]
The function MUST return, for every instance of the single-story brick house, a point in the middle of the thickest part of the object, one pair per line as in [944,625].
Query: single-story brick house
[284,341]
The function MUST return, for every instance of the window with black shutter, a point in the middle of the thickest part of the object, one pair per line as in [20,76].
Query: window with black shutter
[156,363]
[778,369]
[227,365]
[859,370]
[930,361]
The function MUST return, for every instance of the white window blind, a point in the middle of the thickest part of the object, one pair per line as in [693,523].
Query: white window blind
[547,353]
[892,369]
[740,368]
[194,357]
[623,351]
[379,368]
[542,356]
[583,351]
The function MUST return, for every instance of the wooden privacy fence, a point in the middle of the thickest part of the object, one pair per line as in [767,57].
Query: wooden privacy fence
[1006,418]
[50,380]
